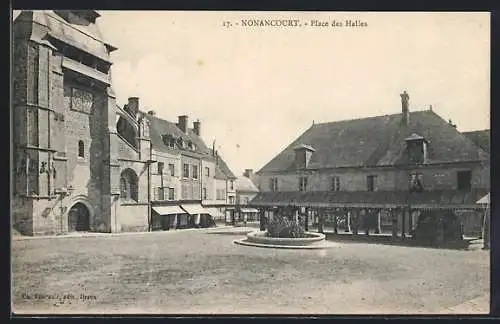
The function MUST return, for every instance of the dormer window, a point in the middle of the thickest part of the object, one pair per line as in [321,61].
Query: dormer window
[416,146]
[191,146]
[303,155]
[181,143]
[169,141]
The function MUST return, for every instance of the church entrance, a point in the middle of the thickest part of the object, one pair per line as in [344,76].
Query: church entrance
[78,218]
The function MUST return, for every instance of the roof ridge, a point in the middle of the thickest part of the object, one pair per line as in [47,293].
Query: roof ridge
[371,117]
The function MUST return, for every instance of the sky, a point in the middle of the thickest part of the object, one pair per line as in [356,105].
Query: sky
[256,89]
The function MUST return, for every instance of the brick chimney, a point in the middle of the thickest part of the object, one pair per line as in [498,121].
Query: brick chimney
[405,110]
[133,106]
[183,123]
[248,173]
[196,127]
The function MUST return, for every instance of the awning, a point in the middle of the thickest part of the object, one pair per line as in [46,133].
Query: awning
[214,212]
[168,210]
[484,200]
[194,209]
[249,210]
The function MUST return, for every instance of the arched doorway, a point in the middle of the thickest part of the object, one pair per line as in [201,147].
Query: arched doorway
[79,218]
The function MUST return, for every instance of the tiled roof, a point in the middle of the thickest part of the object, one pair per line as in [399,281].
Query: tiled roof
[222,169]
[244,184]
[378,141]
[481,138]
[159,127]
[436,198]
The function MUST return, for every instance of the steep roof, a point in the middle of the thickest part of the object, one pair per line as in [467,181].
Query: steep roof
[244,184]
[222,170]
[378,141]
[159,127]
[481,138]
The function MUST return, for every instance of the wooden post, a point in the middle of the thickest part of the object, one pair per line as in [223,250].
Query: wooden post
[321,219]
[410,220]
[394,224]
[262,219]
[486,229]
[306,221]
[335,221]
[378,227]
[403,223]
[355,221]
[348,220]
[367,220]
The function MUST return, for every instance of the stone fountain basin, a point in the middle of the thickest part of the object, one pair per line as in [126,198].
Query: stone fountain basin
[261,238]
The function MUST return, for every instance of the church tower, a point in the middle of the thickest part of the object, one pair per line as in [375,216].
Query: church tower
[63,109]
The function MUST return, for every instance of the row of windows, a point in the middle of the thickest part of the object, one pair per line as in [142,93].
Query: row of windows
[165,193]
[415,182]
[186,170]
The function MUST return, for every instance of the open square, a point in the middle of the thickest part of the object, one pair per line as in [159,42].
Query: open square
[203,272]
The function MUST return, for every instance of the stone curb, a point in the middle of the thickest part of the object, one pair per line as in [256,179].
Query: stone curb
[325,245]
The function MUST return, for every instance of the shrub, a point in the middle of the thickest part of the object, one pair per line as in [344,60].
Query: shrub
[281,226]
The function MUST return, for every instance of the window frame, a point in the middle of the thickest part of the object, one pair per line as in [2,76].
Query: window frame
[171,169]
[469,185]
[194,171]
[161,167]
[185,170]
[81,149]
[335,184]
[371,182]
[303,184]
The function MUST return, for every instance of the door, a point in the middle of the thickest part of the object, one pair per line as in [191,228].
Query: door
[78,218]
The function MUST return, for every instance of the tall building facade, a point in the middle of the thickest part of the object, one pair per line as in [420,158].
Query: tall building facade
[81,162]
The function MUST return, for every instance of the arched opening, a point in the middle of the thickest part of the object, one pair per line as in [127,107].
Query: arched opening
[79,218]
[81,149]
[128,185]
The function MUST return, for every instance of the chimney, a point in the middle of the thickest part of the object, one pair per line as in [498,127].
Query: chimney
[133,106]
[405,111]
[248,173]
[183,123]
[152,113]
[196,127]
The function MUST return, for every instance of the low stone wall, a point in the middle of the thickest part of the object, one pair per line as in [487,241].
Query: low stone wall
[261,238]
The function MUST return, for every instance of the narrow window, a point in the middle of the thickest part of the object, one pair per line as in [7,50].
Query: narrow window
[231,185]
[371,182]
[207,172]
[171,194]
[464,179]
[81,149]
[335,184]
[160,168]
[186,171]
[171,167]
[303,184]
[161,194]
[204,193]
[195,171]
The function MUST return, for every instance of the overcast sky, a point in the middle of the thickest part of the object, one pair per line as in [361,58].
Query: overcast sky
[257,89]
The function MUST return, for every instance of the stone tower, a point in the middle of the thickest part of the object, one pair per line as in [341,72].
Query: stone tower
[63,111]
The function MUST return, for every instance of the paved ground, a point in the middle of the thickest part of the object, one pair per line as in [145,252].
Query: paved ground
[202,271]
